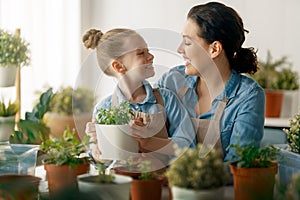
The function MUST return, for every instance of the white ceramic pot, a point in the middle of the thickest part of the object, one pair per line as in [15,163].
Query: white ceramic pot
[8,76]
[115,142]
[6,127]
[120,189]
[187,194]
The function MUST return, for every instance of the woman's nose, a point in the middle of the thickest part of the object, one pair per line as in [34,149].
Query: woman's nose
[180,49]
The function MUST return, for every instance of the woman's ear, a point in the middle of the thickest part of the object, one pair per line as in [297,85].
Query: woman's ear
[215,49]
[118,67]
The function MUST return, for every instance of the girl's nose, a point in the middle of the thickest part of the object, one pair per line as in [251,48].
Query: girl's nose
[180,49]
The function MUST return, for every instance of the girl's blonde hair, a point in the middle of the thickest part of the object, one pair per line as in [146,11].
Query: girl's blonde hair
[109,46]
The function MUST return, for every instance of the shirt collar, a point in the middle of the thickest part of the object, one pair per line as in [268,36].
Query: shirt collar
[231,86]
[150,98]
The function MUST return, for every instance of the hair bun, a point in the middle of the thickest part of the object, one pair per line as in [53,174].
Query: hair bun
[91,38]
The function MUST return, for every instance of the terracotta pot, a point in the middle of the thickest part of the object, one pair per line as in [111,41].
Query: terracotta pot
[146,189]
[273,103]
[62,177]
[58,123]
[253,183]
[21,187]
[124,171]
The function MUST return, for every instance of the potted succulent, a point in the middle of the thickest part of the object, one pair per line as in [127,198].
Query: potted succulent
[14,52]
[112,129]
[254,172]
[276,77]
[63,162]
[289,155]
[104,185]
[194,177]
[69,107]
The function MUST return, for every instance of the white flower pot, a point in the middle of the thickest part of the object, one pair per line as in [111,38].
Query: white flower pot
[6,128]
[115,142]
[188,194]
[120,189]
[8,76]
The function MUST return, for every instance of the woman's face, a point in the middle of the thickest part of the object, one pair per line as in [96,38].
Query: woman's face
[137,59]
[194,49]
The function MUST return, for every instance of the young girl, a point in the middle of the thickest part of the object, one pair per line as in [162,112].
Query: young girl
[123,54]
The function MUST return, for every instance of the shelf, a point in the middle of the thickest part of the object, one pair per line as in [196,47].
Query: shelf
[277,122]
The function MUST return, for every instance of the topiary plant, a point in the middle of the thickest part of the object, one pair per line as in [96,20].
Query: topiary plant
[191,171]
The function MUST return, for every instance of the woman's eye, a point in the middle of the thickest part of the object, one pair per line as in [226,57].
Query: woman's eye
[187,43]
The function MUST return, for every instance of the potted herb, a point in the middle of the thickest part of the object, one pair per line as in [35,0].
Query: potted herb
[63,162]
[193,177]
[254,172]
[276,77]
[105,186]
[148,185]
[14,52]
[69,107]
[113,136]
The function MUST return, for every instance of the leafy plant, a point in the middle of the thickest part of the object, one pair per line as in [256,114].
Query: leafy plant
[189,170]
[102,177]
[276,74]
[68,101]
[14,51]
[8,110]
[32,129]
[66,150]
[255,157]
[115,115]
[293,134]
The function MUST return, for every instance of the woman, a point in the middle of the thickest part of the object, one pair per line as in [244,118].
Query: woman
[226,106]
[123,54]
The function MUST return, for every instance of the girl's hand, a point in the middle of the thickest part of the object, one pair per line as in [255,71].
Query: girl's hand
[90,130]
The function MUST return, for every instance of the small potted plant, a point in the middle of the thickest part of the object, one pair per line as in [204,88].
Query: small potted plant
[63,162]
[192,176]
[254,172]
[69,107]
[276,77]
[14,52]
[105,185]
[113,136]
[7,119]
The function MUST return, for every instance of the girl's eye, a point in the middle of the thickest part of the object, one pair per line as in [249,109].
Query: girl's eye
[187,43]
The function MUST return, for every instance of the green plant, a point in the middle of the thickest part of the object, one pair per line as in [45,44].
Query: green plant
[68,101]
[189,170]
[14,51]
[102,177]
[66,150]
[32,129]
[8,110]
[255,157]
[277,74]
[115,115]
[293,134]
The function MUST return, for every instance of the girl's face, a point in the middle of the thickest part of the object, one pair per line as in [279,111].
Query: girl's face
[194,49]
[137,59]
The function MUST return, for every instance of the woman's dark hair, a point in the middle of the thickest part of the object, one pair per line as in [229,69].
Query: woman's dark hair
[218,22]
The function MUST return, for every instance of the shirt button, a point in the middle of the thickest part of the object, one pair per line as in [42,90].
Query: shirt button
[136,107]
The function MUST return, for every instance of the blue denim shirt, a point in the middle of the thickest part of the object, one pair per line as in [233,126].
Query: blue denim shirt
[180,127]
[243,118]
